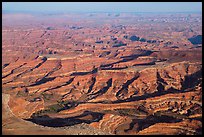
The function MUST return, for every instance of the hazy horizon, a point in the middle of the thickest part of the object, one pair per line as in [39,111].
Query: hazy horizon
[121,7]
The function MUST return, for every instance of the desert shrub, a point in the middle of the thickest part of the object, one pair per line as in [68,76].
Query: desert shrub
[129,112]
[55,108]
[22,93]
[47,96]
[125,112]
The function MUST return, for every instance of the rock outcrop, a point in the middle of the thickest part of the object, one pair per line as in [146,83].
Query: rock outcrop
[93,72]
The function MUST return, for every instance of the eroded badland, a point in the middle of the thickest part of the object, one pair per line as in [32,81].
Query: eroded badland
[102,73]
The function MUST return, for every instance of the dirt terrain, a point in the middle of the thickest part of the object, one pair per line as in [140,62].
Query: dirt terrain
[13,125]
[99,73]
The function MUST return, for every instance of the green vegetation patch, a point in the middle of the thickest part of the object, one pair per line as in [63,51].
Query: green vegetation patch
[169,113]
[129,112]
[46,96]
[55,108]
[22,93]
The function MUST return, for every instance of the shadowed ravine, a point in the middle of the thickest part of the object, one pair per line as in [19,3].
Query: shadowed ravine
[101,73]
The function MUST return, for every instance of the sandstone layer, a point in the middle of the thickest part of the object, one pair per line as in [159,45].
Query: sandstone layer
[95,77]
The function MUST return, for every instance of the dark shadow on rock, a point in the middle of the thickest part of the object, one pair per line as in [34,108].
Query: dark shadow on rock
[43,80]
[188,84]
[127,58]
[91,86]
[151,120]
[124,88]
[61,122]
[101,91]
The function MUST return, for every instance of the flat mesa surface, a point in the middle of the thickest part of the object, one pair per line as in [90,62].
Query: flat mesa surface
[100,74]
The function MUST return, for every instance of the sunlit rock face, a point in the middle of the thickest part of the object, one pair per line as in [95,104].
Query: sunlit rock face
[135,78]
